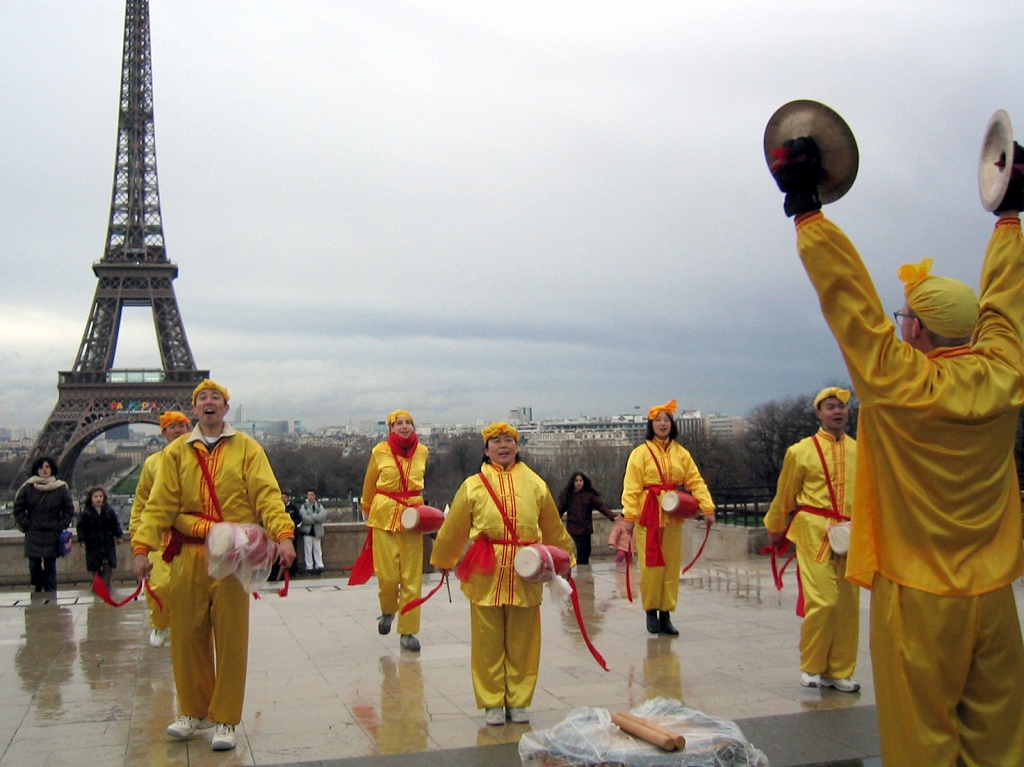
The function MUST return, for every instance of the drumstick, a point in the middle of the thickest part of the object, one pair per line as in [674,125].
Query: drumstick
[680,741]
[644,732]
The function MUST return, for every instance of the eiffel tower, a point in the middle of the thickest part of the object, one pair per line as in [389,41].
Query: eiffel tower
[93,397]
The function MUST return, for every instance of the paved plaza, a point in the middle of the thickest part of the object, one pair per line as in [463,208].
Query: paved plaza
[80,686]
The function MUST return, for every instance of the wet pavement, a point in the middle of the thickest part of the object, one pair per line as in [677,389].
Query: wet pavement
[79,684]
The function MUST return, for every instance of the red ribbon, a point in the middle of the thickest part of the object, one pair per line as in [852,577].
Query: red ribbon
[363,567]
[101,590]
[629,589]
[420,600]
[707,533]
[650,518]
[583,629]
[479,558]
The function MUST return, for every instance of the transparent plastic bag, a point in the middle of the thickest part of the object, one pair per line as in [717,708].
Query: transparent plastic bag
[242,550]
[589,738]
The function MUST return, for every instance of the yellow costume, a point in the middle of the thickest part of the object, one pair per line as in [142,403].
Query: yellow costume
[505,610]
[248,493]
[160,575]
[397,553]
[659,585]
[937,527]
[829,633]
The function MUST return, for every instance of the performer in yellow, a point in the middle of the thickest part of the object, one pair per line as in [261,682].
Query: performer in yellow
[172,425]
[215,474]
[937,526]
[658,466]
[504,507]
[816,483]
[394,481]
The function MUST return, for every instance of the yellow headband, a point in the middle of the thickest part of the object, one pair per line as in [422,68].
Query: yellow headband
[843,395]
[947,307]
[208,384]
[173,416]
[668,407]
[495,429]
[392,417]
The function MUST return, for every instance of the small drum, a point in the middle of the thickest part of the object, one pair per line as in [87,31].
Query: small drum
[540,563]
[679,502]
[422,519]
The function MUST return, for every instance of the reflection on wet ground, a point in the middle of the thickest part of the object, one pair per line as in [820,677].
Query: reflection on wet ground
[79,684]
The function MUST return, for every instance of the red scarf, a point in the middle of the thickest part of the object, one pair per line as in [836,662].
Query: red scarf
[403,446]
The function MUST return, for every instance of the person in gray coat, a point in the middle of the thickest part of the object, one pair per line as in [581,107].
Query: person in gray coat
[313,516]
[43,507]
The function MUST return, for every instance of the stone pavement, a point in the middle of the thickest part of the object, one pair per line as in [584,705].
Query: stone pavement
[79,685]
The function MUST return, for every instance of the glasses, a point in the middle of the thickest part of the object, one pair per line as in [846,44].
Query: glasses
[900,316]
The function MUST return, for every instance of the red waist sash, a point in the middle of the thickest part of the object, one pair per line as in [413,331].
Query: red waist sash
[650,518]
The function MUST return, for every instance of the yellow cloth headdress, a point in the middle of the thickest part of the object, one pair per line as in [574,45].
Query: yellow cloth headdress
[945,306]
[394,416]
[208,384]
[500,428]
[668,407]
[173,416]
[843,395]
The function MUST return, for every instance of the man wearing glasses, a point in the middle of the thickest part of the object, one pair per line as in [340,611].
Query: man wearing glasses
[936,532]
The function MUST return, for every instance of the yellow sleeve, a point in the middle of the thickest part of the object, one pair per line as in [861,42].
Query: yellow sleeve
[633,485]
[370,482]
[162,506]
[454,533]
[789,484]
[552,528]
[694,482]
[142,490]
[265,494]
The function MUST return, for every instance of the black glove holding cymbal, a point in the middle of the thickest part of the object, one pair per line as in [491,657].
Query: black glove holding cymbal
[1014,197]
[796,166]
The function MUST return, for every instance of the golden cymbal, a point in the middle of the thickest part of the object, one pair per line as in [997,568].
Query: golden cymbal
[996,161]
[839,156]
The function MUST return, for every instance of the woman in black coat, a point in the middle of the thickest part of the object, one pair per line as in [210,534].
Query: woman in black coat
[99,529]
[43,507]
[578,501]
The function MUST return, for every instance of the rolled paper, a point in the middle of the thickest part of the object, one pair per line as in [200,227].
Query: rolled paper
[645,732]
[679,739]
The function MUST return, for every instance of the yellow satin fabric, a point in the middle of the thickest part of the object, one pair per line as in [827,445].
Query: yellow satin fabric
[382,473]
[678,468]
[505,656]
[398,565]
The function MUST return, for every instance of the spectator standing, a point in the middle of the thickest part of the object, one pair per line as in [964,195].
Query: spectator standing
[577,502]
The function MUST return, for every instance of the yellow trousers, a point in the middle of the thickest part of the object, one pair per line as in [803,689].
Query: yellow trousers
[209,639]
[398,565]
[830,632]
[159,583]
[505,654]
[659,586]
[948,677]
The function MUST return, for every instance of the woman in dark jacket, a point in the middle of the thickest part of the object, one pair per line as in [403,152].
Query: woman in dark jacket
[43,507]
[99,529]
[578,501]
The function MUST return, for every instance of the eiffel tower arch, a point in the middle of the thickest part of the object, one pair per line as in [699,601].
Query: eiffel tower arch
[134,271]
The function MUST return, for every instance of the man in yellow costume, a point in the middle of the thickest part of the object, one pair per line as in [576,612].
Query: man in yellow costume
[937,527]
[172,425]
[503,508]
[816,483]
[661,465]
[215,474]
[393,483]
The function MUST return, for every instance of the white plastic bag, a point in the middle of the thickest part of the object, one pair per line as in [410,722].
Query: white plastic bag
[244,551]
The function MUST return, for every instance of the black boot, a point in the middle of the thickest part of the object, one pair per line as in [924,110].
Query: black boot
[665,621]
[653,624]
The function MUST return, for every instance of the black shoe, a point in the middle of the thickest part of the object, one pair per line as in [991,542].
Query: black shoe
[653,624]
[384,623]
[665,621]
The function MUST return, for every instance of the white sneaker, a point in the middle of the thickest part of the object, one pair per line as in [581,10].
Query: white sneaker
[495,716]
[159,637]
[223,738]
[518,715]
[184,727]
[849,684]
[810,680]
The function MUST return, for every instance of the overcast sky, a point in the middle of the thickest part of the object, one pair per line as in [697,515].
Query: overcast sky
[463,207]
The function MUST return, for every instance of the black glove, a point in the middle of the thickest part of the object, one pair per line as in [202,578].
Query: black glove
[1014,197]
[797,170]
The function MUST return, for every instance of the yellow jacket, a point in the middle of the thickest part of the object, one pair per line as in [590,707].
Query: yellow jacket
[245,483]
[472,514]
[679,469]
[142,490]
[936,495]
[382,474]
[802,483]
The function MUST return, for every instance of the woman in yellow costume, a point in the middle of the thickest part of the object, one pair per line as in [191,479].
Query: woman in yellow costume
[658,466]
[503,508]
[394,482]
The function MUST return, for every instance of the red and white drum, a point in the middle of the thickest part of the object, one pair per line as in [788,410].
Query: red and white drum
[679,502]
[422,519]
[540,563]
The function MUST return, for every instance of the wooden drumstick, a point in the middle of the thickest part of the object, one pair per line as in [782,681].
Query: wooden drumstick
[680,741]
[644,732]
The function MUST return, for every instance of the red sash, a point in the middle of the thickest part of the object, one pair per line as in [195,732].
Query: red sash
[650,516]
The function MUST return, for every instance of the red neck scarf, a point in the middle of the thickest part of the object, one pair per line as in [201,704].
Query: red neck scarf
[403,446]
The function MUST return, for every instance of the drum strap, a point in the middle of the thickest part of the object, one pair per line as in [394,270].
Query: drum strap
[509,527]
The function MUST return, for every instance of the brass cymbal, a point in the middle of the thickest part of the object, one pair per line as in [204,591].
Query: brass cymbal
[839,156]
[996,161]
